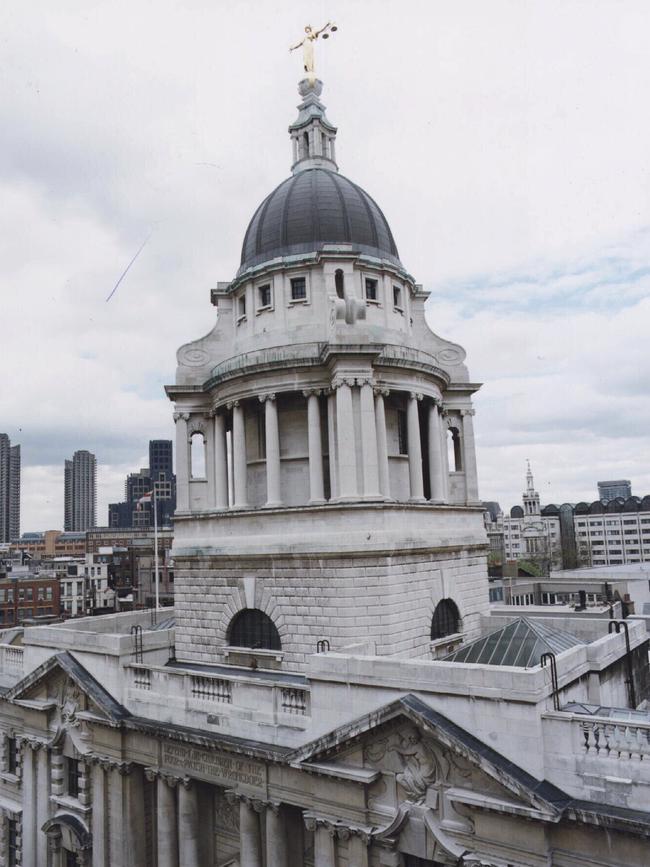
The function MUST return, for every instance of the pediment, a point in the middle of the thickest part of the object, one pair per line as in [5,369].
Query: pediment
[421,755]
[63,688]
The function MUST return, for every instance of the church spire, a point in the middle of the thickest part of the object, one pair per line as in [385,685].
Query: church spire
[312,135]
[531,497]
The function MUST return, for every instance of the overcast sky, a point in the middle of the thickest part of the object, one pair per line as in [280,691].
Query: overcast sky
[507,143]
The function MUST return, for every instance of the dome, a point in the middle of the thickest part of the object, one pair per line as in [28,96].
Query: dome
[316,206]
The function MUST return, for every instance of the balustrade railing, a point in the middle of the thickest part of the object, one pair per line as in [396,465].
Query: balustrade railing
[294,701]
[616,739]
[142,678]
[211,689]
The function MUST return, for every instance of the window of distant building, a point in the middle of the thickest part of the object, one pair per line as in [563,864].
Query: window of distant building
[397,298]
[241,308]
[253,628]
[446,619]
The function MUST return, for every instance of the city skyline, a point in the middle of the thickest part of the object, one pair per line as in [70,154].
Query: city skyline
[530,225]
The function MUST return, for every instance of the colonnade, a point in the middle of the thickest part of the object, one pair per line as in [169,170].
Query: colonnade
[111,802]
[227,484]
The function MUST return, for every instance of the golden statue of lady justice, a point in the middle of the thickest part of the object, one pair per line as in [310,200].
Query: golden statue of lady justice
[307,44]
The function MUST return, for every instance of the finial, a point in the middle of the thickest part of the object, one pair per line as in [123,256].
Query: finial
[307,43]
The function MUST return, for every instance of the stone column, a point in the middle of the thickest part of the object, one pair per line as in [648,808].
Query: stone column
[276,837]
[382,442]
[444,446]
[166,818]
[436,464]
[133,815]
[239,455]
[469,457]
[210,470]
[29,806]
[42,803]
[345,441]
[324,845]
[250,839]
[369,442]
[273,497]
[331,445]
[220,461]
[415,448]
[99,817]
[358,850]
[188,825]
[316,489]
[182,462]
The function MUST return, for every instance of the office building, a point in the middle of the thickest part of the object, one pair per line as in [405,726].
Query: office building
[611,490]
[9,490]
[80,491]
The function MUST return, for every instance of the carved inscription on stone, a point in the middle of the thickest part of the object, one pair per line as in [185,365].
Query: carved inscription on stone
[215,767]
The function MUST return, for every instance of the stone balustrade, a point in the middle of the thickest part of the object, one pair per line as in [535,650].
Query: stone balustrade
[11,660]
[616,739]
[237,704]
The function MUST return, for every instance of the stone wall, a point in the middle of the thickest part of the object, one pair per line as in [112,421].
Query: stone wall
[387,599]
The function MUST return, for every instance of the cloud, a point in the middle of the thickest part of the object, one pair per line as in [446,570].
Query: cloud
[506,149]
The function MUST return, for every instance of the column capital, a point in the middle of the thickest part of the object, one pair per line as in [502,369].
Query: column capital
[380,391]
[469,412]
[365,379]
[212,412]
[313,822]
[437,402]
[350,381]
[181,416]
[231,404]
[316,392]
[416,395]
[264,397]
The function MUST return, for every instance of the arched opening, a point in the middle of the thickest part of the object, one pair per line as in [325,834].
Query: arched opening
[446,619]
[339,283]
[454,450]
[197,456]
[305,145]
[255,629]
[324,145]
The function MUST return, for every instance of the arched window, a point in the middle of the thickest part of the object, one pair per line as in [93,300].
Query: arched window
[338,283]
[197,456]
[305,145]
[446,619]
[454,451]
[253,628]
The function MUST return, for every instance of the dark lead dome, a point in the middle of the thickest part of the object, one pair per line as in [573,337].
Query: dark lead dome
[316,207]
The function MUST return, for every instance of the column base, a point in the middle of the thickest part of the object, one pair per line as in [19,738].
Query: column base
[239,507]
[437,502]
[417,500]
[274,505]
[317,502]
[373,498]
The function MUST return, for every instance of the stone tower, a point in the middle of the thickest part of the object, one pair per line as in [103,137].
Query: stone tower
[326,470]
[530,495]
